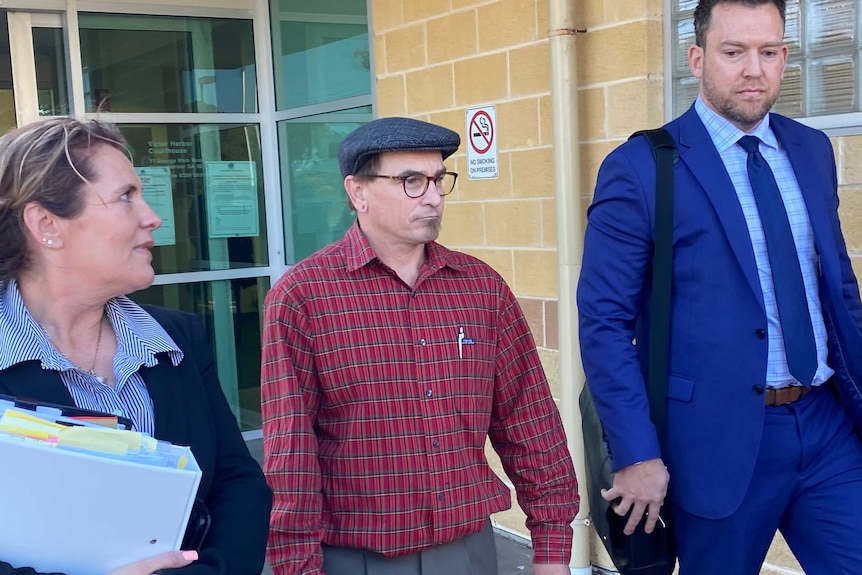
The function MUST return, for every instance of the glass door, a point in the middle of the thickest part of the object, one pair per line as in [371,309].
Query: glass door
[33,67]
[184,92]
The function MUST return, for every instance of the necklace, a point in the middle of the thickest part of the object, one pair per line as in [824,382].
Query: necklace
[101,378]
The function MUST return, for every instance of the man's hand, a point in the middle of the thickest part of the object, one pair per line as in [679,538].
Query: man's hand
[551,569]
[167,560]
[641,487]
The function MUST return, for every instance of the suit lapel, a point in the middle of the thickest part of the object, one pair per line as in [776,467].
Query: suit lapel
[164,383]
[28,380]
[697,151]
[811,180]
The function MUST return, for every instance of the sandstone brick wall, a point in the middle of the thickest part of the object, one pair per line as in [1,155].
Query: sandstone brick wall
[436,59]
[848,155]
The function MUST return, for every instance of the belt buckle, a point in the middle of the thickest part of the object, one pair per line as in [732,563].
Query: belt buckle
[784,395]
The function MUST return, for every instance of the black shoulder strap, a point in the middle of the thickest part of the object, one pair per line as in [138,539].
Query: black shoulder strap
[664,150]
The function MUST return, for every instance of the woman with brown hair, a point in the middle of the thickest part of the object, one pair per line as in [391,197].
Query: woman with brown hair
[76,238]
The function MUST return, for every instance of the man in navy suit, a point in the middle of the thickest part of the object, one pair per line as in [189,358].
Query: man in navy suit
[763,413]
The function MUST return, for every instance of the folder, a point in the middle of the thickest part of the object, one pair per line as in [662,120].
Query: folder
[81,513]
[74,413]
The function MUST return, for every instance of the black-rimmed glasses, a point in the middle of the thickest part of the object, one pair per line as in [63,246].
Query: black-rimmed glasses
[415,185]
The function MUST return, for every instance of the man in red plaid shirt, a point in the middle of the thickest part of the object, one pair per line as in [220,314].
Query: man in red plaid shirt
[388,360]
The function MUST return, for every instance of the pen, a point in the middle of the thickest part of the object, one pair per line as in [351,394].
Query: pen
[460,343]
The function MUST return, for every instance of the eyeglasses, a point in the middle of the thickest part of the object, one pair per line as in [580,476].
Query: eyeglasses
[415,185]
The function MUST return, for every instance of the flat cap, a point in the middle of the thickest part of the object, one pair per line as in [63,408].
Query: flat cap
[393,135]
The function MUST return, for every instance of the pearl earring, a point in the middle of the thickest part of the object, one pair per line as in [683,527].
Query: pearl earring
[47,241]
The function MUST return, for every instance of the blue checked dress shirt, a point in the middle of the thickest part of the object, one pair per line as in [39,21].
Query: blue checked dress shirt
[725,136]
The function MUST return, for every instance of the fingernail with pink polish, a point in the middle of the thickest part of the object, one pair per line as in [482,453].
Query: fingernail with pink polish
[190,555]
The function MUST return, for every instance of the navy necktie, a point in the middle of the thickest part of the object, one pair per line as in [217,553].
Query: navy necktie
[784,261]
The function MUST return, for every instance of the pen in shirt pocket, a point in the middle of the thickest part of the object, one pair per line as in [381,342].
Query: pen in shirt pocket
[462,341]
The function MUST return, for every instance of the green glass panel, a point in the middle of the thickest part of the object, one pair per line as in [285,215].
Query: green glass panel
[231,312]
[206,183]
[51,86]
[320,51]
[7,98]
[167,64]
[317,211]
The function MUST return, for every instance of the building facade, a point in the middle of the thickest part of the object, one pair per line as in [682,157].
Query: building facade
[234,110]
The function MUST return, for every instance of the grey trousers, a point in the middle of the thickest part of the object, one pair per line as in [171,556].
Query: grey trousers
[473,555]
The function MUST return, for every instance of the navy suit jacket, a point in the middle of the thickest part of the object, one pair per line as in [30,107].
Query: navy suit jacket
[190,409]
[718,341]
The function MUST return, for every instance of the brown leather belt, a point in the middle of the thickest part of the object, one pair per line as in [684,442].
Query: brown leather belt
[785,395]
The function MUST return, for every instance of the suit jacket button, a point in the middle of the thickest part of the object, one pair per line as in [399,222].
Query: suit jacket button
[758,389]
[760,333]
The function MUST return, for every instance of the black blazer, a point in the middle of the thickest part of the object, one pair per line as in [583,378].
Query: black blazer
[189,409]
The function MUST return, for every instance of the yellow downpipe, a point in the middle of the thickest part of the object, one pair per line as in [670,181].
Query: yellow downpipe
[567,196]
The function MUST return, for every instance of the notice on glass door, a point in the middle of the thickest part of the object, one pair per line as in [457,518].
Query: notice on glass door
[158,193]
[232,209]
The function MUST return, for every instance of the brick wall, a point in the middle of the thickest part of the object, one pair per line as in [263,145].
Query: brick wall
[848,155]
[436,59]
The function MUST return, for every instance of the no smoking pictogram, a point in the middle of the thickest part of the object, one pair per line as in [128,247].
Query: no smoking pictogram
[481,132]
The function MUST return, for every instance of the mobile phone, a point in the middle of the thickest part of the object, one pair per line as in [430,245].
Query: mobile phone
[198,526]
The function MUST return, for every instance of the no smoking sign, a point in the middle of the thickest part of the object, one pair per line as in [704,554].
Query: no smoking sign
[482,139]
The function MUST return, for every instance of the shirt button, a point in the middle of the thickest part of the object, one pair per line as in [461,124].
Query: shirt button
[758,389]
[441,496]
[760,333]
[435,443]
[422,341]
[429,393]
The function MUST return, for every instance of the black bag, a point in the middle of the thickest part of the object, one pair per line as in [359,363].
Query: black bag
[640,553]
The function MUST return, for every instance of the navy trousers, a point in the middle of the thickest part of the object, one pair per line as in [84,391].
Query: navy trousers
[807,483]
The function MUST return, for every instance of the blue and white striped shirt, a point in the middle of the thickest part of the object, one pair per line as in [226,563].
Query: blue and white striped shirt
[725,136]
[139,339]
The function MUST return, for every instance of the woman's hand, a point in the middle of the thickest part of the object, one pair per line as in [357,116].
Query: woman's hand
[167,560]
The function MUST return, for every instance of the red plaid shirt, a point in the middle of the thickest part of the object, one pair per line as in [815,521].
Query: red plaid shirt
[375,417]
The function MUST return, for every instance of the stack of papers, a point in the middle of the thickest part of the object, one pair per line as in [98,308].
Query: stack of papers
[90,438]
[76,414]
[83,499]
